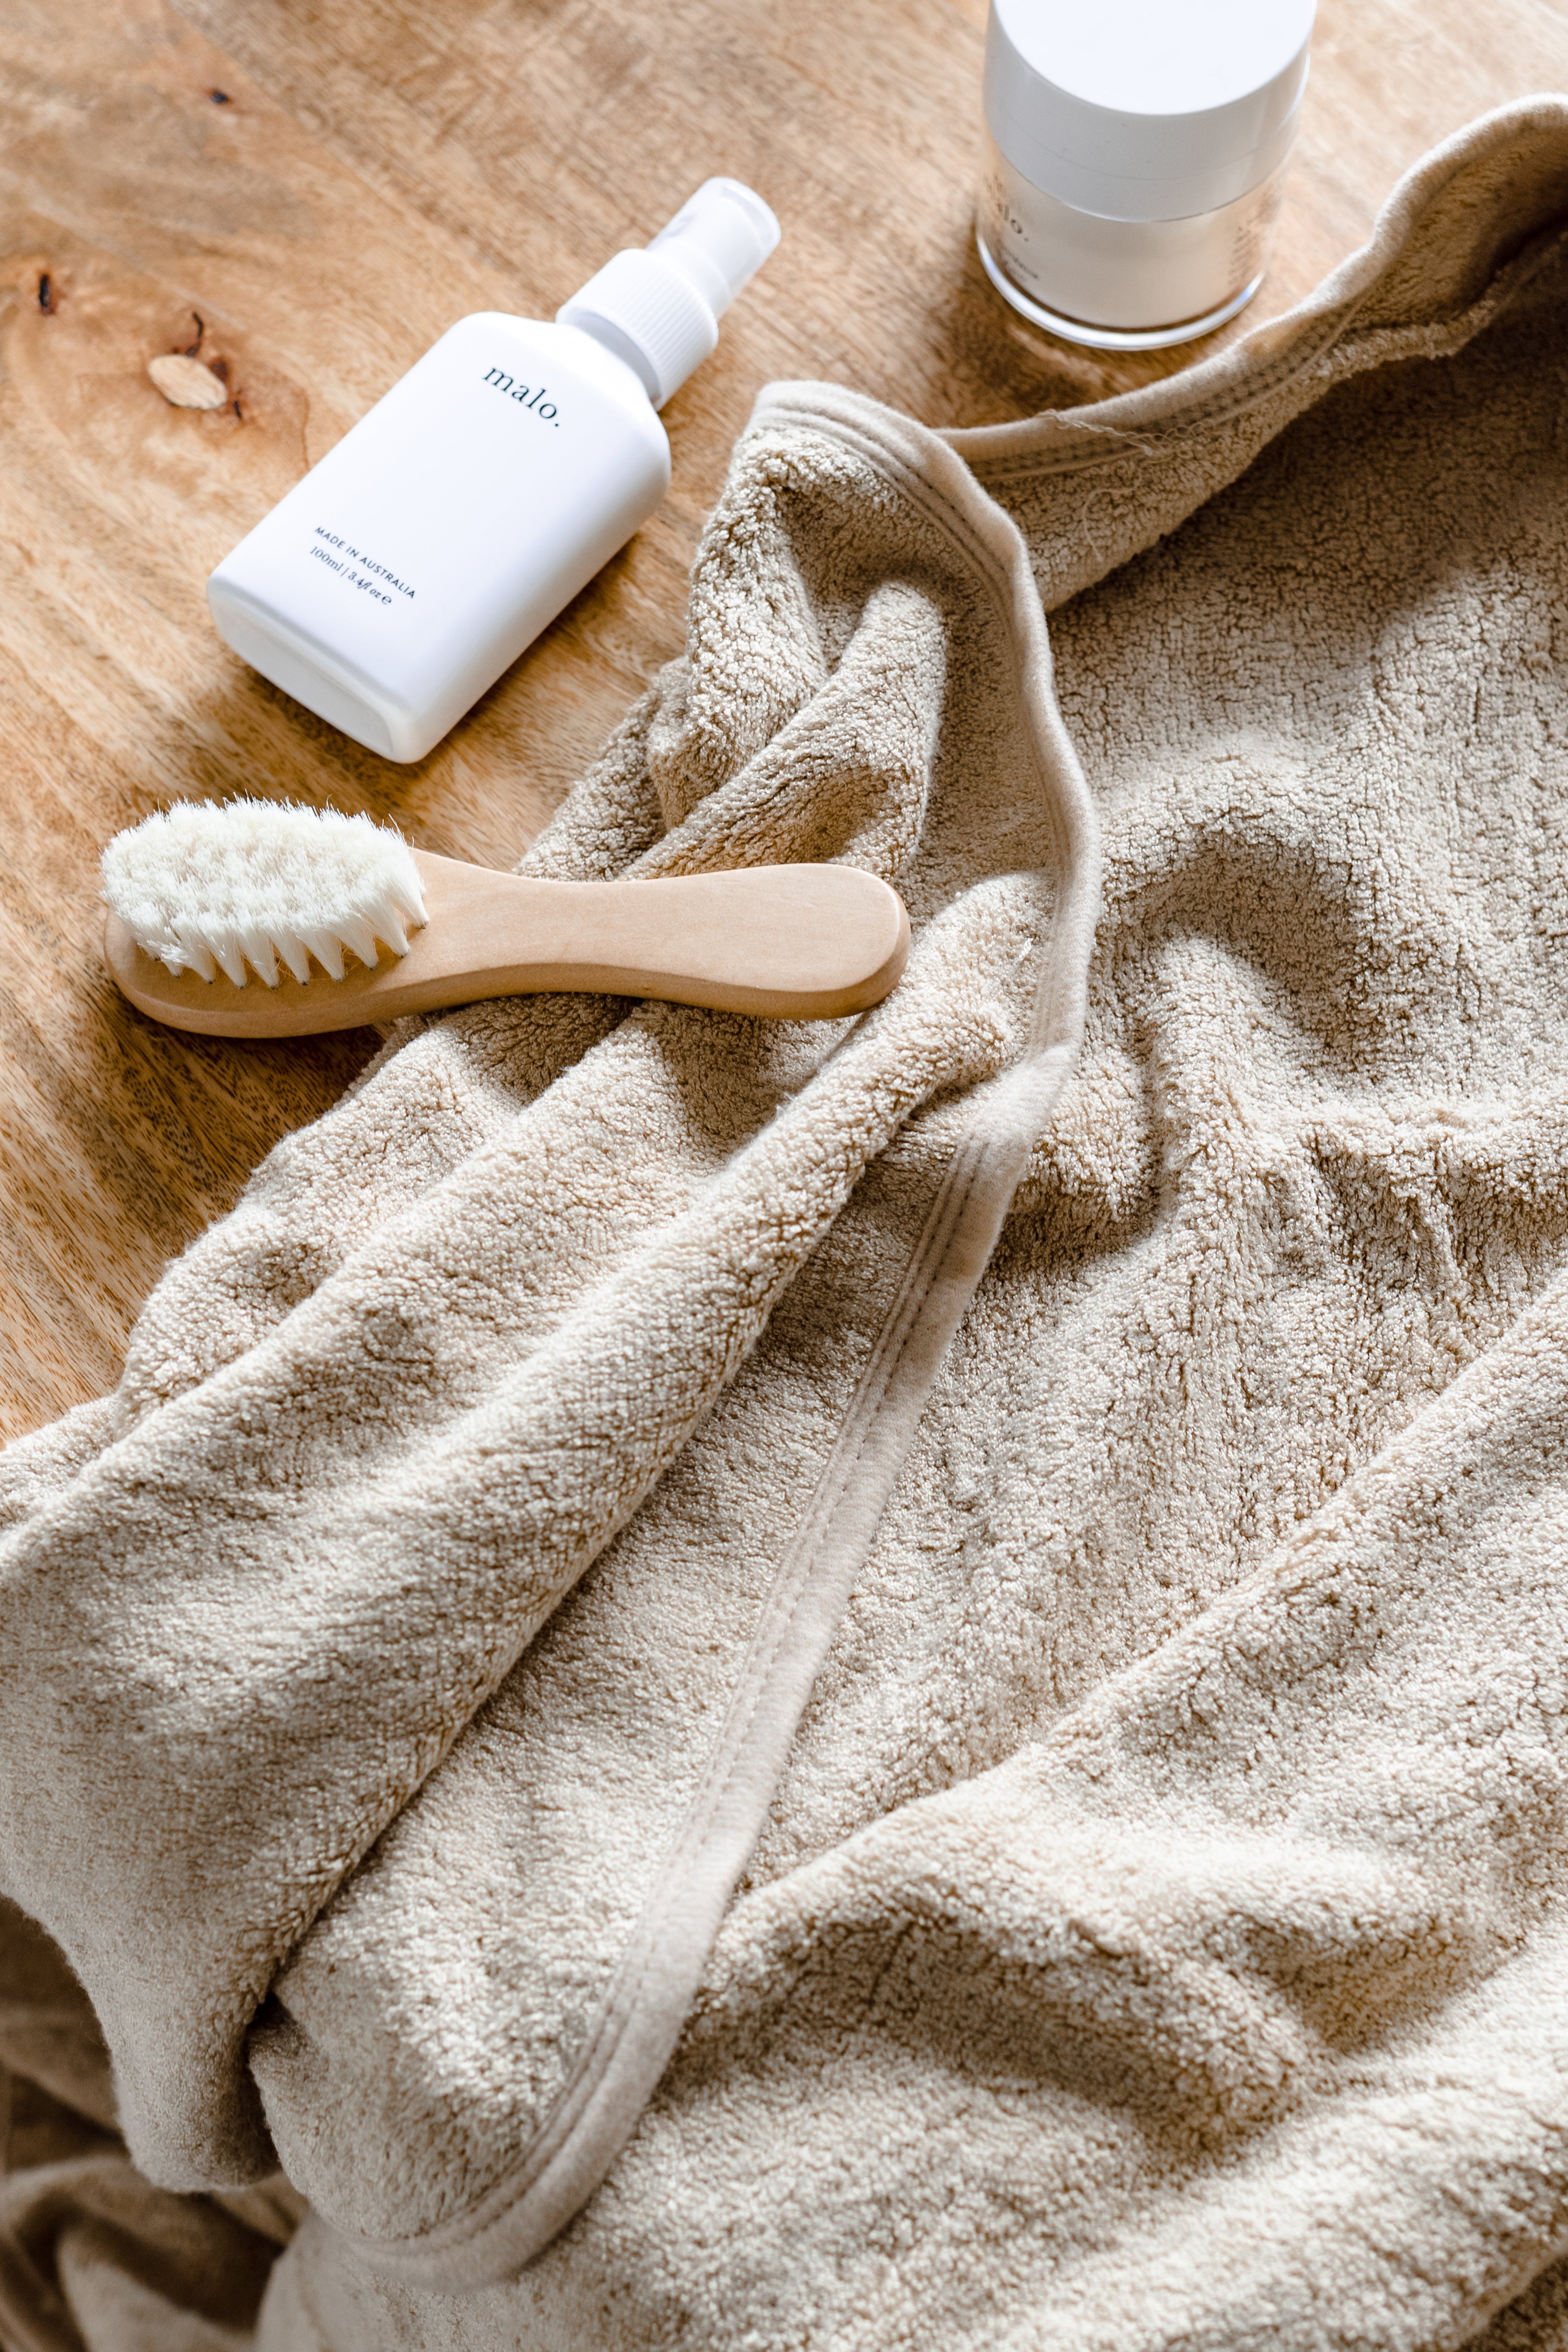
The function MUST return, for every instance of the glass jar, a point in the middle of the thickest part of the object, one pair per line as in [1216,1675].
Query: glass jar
[1135,160]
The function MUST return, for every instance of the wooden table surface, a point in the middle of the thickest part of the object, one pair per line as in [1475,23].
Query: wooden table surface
[305,197]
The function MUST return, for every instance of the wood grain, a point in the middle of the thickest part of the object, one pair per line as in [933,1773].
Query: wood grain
[302,198]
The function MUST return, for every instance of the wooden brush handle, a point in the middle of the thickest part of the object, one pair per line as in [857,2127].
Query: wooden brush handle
[790,943]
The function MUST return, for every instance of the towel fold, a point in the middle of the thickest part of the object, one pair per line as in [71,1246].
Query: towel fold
[927,1651]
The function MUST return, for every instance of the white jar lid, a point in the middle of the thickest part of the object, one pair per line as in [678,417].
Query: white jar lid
[1146,109]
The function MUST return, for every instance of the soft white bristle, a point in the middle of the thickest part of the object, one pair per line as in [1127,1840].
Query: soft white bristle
[206,888]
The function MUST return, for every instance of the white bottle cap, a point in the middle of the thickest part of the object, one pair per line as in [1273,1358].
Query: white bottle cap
[658,306]
[1143,109]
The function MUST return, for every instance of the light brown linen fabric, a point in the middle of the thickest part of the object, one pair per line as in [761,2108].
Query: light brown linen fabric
[1114,1619]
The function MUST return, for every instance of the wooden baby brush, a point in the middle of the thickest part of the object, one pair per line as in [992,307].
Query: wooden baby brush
[234,920]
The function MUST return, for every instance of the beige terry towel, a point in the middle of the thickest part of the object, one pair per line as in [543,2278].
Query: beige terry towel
[92,2257]
[1090,1557]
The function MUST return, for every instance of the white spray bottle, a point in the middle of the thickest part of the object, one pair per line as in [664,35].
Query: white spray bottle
[407,571]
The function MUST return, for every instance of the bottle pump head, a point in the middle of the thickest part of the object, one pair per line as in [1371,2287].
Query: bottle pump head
[658,305]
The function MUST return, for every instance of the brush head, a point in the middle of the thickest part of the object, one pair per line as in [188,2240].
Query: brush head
[206,888]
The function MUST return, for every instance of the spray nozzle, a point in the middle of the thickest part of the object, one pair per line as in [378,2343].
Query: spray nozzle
[720,238]
[657,306]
